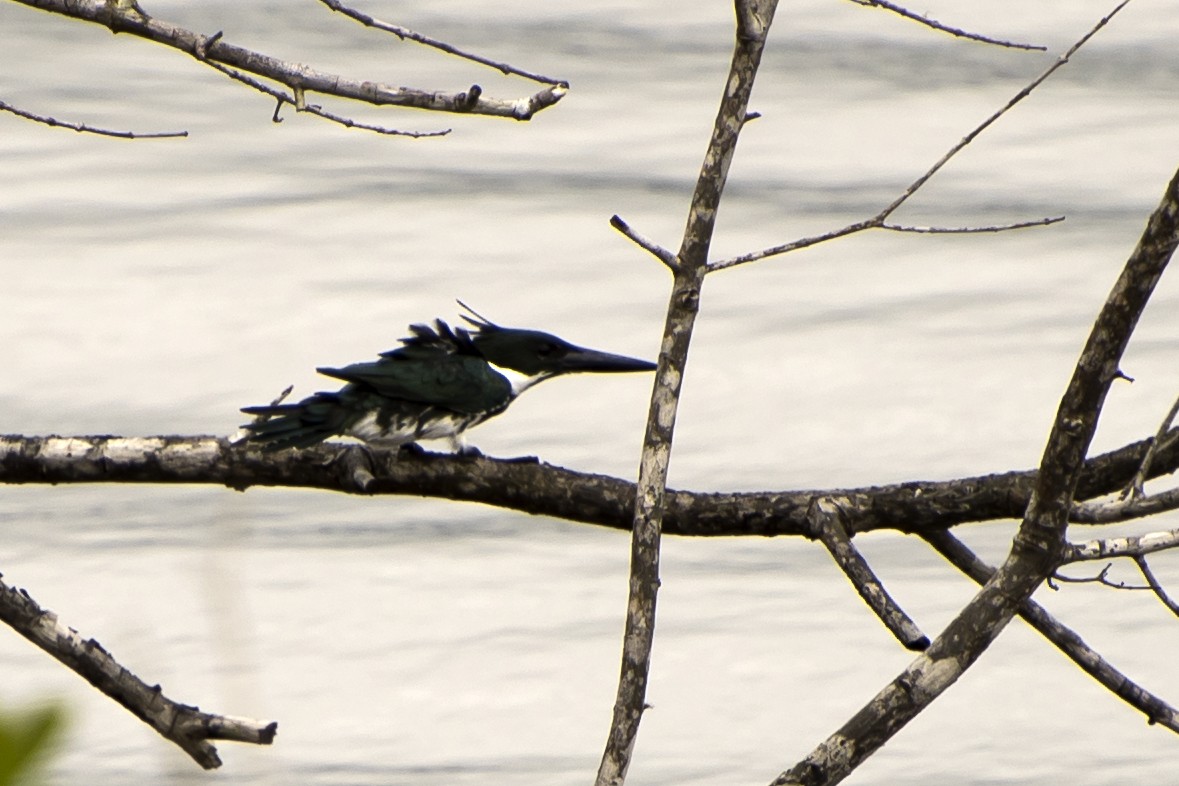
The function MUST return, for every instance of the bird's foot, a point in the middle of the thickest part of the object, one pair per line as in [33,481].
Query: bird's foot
[411,449]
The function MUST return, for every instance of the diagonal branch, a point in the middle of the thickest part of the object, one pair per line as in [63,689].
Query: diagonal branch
[406,34]
[87,129]
[186,726]
[1155,586]
[826,518]
[658,251]
[936,25]
[1134,490]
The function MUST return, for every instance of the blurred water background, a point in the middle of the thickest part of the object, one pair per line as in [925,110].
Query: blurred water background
[155,287]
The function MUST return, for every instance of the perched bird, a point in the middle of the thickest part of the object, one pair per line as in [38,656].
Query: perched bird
[440,383]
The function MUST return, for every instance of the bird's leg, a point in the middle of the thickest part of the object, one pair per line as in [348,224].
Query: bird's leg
[461,449]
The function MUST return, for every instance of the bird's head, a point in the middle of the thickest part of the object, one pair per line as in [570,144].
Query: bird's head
[537,355]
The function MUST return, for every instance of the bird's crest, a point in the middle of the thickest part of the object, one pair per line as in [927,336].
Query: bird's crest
[442,338]
[439,338]
[481,323]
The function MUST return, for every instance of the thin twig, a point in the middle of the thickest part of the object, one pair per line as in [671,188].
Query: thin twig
[880,218]
[88,129]
[407,34]
[1064,639]
[954,31]
[826,519]
[1101,578]
[1040,222]
[660,253]
[1134,489]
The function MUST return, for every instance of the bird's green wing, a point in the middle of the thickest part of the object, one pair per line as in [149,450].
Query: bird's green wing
[462,383]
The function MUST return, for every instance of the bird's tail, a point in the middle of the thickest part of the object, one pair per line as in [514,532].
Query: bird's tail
[300,425]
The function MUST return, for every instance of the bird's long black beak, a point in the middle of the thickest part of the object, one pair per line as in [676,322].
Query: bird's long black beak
[578,359]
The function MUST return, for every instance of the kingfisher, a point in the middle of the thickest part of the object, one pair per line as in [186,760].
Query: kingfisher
[439,383]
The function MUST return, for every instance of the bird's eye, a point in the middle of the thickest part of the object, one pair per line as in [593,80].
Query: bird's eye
[545,350]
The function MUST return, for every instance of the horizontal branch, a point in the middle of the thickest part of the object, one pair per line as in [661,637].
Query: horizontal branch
[548,490]
[186,726]
[129,18]
[1130,546]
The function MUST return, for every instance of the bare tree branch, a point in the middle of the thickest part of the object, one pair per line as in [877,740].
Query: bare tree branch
[83,128]
[1068,642]
[407,34]
[826,518]
[934,24]
[880,218]
[129,18]
[753,23]
[186,726]
[1130,546]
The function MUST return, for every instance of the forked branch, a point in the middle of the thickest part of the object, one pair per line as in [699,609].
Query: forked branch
[879,220]
[128,17]
[186,726]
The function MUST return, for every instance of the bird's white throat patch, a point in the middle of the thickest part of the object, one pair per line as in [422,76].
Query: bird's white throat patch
[519,382]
